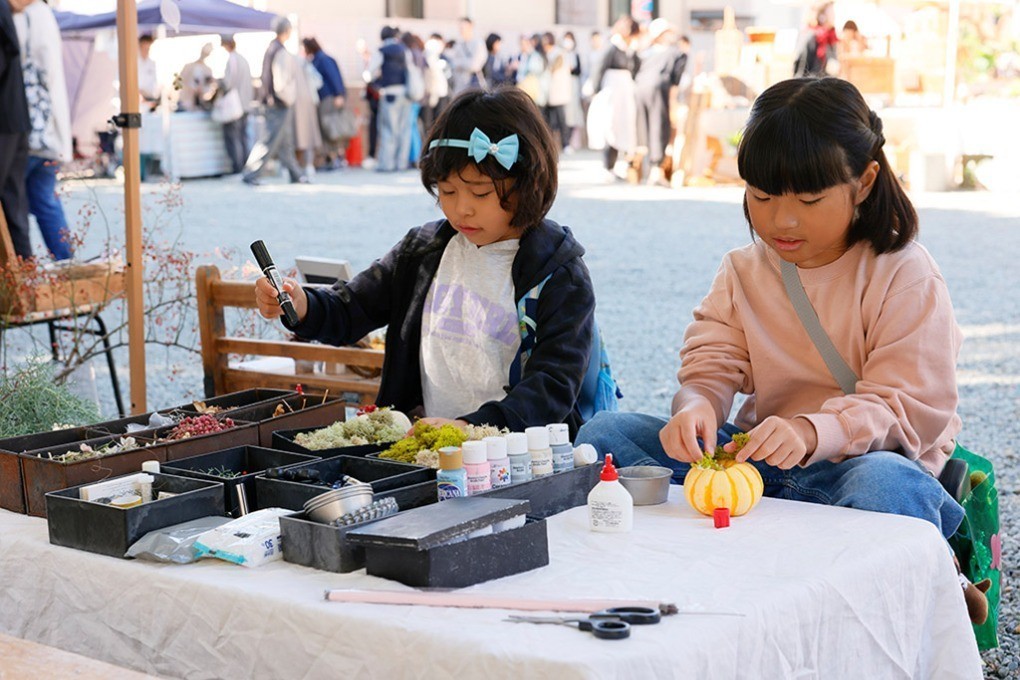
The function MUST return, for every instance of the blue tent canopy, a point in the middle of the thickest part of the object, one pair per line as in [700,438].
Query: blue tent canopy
[197,17]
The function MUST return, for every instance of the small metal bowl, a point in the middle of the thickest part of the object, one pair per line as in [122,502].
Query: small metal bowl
[336,503]
[647,484]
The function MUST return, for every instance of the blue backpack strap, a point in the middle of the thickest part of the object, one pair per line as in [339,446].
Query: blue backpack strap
[527,311]
[599,391]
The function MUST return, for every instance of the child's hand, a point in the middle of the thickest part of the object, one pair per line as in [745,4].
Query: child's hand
[269,308]
[680,436]
[439,422]
[780,442]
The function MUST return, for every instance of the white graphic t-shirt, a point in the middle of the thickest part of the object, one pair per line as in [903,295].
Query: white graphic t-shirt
[469,334]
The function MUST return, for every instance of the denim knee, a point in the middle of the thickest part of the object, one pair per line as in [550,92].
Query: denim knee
[885,481]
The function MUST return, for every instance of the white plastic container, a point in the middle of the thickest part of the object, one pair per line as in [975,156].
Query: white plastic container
[610,505]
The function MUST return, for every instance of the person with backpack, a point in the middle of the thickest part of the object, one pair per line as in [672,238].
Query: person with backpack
[835,323]
[388,72]
[49,142]
[457,293]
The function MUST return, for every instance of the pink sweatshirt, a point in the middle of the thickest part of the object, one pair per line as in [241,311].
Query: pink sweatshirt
[889,316]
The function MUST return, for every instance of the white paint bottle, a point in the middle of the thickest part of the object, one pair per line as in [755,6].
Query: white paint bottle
[541,453]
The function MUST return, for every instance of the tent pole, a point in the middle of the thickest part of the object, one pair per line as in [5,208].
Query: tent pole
[127,48]
[952,46]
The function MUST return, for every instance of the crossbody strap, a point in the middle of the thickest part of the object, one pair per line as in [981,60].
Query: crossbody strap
[843,374]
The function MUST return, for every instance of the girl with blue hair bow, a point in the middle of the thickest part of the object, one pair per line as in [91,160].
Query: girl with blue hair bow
[490,311]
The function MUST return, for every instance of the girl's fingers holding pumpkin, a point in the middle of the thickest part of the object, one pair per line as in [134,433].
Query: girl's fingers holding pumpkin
[770,450]
[708,437]
[754,442]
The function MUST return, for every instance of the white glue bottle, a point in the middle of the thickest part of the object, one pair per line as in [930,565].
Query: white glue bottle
[610,505]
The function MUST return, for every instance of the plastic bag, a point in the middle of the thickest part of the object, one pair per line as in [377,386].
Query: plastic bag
[250,541]
[977,543]
[174,543]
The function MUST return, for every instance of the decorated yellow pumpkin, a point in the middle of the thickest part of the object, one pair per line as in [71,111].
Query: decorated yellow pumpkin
[719,481]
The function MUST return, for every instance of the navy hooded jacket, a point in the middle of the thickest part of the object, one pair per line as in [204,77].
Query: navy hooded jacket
[392,292]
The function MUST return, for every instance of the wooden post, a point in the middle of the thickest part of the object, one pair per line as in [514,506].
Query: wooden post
[127,48]
[212,327]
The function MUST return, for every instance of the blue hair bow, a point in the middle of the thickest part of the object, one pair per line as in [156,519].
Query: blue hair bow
[505,151]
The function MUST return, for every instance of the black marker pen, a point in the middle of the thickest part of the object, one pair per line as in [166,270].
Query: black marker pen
[261,253]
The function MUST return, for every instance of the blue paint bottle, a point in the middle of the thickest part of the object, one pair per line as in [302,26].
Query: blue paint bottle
[451,479]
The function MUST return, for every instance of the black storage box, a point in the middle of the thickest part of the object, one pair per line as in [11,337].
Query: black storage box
[383,475]
[321,546]
[12,485]
[284,441]
[104,529]
[242,434]
[235,400]
[42,474]
[555,493]
[414,547]
[249,460]
[298,411]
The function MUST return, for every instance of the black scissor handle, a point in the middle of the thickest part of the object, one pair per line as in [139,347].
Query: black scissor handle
[607,629]
[637,615]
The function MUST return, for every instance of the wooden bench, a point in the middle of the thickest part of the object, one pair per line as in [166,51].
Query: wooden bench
[215,294]
[21,659]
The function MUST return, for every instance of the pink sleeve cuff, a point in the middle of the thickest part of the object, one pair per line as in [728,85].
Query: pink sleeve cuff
[833,439]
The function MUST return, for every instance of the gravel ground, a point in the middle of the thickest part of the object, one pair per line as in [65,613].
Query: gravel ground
[652,253]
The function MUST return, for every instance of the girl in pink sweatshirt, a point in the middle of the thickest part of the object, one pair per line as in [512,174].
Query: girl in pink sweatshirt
[820,195]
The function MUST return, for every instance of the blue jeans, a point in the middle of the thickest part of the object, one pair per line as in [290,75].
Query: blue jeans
[278,143]
[41,188]
[880,481]
[394,151]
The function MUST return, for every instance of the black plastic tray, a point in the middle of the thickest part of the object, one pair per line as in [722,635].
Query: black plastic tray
[251,459]
[383,475]
[321,546]
[552,494]
[104,529]
[284,441]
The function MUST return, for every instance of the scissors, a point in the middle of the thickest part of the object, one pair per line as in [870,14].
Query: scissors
[608,624]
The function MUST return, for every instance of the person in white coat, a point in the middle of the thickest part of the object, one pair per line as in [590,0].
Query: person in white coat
[49,142]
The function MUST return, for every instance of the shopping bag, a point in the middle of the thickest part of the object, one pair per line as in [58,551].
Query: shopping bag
[976,543]
[227,108]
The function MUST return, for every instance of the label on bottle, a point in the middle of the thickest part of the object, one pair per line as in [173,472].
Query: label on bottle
[563,458]
[541,463]
[520,468]
[448,490]
[500,474]
[605,515]
[478,482]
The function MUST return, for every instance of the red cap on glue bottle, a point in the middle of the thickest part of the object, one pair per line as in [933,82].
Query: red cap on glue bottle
[609,470]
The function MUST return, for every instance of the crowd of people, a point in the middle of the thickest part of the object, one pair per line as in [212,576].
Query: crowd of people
[618,95]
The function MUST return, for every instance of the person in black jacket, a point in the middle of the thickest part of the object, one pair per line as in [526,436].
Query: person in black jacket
[14,129]
[456,292]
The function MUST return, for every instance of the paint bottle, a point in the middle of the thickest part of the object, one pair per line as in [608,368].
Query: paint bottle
[585,454]
[499,463]
[562,449]
[541,454]
[451,478]
[520,459]
[610,505]
[476,464]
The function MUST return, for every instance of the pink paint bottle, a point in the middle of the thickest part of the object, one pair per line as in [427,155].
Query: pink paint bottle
[476,464]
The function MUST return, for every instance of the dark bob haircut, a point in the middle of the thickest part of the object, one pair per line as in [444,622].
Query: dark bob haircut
[311,46]
[528,188]
[806,135]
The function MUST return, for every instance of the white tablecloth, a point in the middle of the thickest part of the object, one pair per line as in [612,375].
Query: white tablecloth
[825,592]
